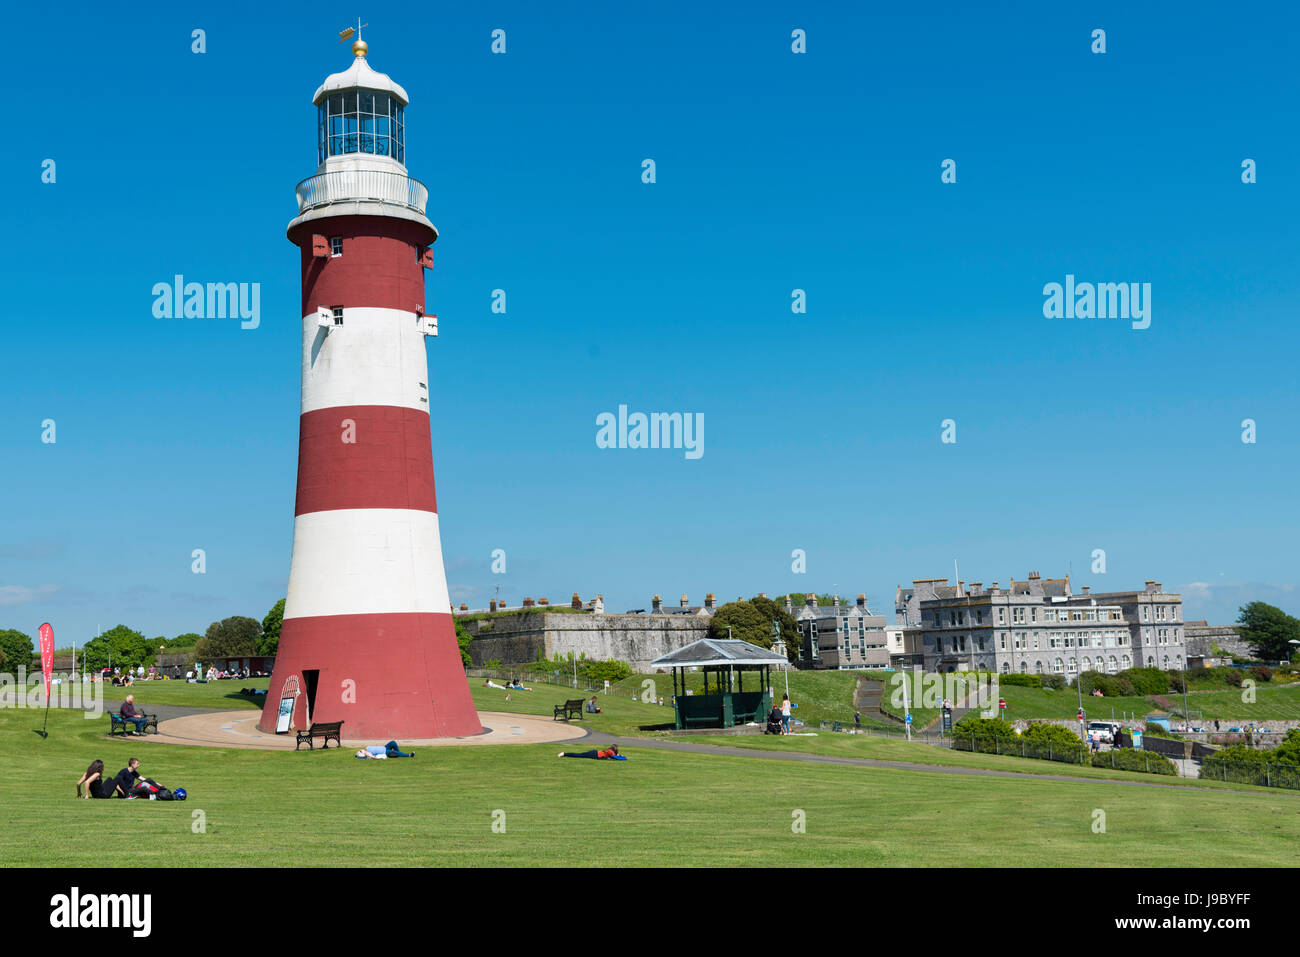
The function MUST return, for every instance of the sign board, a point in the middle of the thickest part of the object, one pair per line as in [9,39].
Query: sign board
[1002,703]
[947,720]
[909,719]
[286,713]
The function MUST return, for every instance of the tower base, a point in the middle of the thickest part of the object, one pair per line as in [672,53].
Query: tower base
[385,676]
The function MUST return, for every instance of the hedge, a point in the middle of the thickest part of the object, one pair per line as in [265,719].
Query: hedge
[1126,759]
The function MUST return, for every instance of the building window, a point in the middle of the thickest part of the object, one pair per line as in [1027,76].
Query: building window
[338,315]
[360,121]
[1058,666]
[1002,616]
[336,246]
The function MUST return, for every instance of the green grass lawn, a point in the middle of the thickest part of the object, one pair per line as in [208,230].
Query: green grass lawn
[891,749]
[223,695]
[1271,703]
[658,808]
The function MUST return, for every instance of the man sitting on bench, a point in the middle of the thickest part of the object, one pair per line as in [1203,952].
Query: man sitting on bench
[129,713]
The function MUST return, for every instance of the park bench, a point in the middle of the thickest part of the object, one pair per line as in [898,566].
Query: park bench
[570,709]
[321,729]
[127,725]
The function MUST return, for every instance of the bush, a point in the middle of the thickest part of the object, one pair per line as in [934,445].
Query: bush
[1053,681]
[1177,681]
[1126,759]
[1147,681]
[1262,673]
[1233,677]
[1021,681]
[612,670]
[1050,742]
[1112,686]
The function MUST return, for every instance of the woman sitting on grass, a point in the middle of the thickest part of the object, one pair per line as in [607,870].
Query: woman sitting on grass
[96,786]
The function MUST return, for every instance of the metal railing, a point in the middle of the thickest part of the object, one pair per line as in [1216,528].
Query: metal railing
[368,185]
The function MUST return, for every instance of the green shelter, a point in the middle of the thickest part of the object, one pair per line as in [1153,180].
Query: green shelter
[725,701]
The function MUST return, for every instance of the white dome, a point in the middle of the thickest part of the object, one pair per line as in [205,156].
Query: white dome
[360,75]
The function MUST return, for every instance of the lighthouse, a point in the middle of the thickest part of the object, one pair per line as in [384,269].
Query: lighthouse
[368,637]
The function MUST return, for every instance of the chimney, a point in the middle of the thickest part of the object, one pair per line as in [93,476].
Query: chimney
[543,601]
[576,602]
[835,601]
[977,588]
[492,605]
[1086,589]
[789,606]
[1034,576]
[862,600]
[684,602]
[708,601]
[1153,587]
[762,594]
[657,605]
[464,607]
[597,605]
[528,603]
[811,600]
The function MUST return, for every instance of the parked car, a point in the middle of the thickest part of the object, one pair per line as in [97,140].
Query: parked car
[1107,729]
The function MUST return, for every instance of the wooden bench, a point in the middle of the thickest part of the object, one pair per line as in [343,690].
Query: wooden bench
[321,729]
[127,725]
[570,709]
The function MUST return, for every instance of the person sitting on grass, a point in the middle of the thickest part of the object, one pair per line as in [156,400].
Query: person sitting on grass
[126,778]
[609,754]
[130,713]
[96,786]
[591,706]
[518,685]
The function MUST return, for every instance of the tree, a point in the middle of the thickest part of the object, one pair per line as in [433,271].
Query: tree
[182,642]
[463,638]
[15,650]
[747,624]
[121,646]
[790,632]
[270,640]
[1268,630]
[230,638]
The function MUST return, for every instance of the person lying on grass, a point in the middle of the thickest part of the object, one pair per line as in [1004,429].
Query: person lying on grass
[96,786]
[609,754]
[489,683]
[389,750]
[517,685]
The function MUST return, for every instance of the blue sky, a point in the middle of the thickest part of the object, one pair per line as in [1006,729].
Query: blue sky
[775,171]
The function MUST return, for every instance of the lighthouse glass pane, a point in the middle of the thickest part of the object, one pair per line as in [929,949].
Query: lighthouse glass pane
[350,133]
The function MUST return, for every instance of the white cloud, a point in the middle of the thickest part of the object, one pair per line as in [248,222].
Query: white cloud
[23,595]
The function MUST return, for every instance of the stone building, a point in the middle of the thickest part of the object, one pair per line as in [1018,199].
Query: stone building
[838,636]
[1041,626]
[1203,638]
[536,629]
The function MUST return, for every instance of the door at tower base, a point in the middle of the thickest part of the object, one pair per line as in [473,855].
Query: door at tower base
[384,676]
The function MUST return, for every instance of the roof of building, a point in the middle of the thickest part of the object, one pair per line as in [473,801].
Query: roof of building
[360,75]
[718,651]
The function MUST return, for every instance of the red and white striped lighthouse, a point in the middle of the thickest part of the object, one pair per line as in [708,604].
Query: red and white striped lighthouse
[368,636]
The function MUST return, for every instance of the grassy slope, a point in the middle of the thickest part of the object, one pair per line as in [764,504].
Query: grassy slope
[658,808]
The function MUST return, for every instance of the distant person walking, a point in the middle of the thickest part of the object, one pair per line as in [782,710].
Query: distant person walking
[785,714]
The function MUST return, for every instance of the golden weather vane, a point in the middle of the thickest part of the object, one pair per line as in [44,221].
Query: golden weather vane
[347,34]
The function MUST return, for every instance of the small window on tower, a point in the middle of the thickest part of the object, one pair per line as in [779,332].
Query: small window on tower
[338,315]
[336,246]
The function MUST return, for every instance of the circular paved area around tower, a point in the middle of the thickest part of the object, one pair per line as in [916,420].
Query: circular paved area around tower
[238,729]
